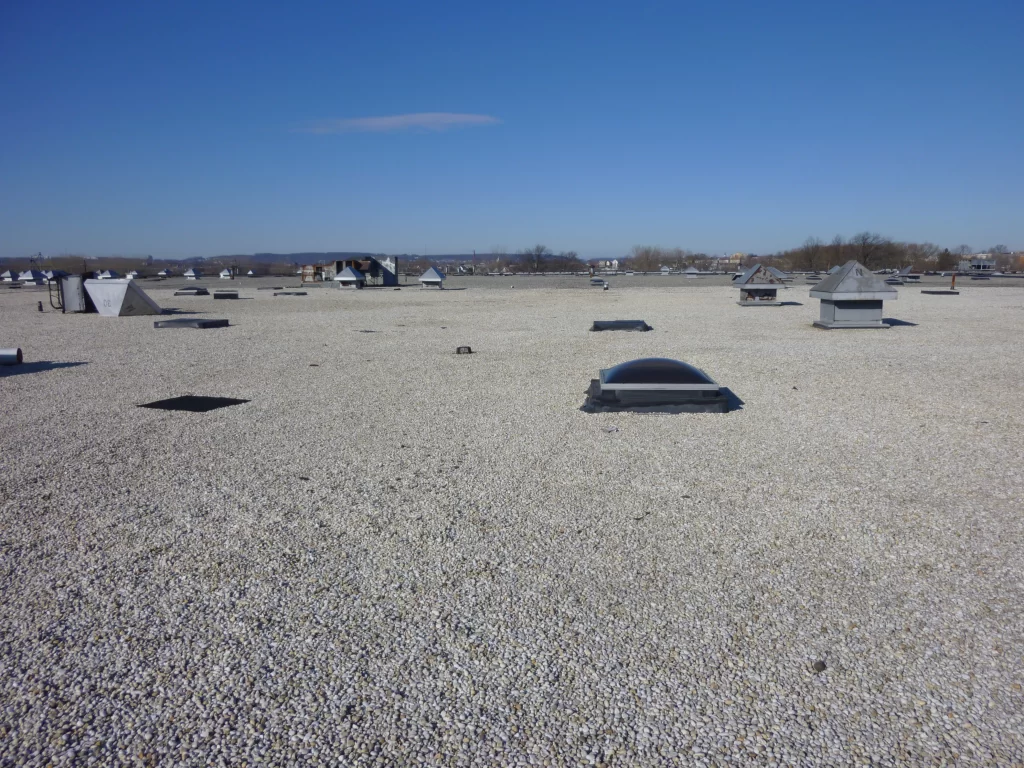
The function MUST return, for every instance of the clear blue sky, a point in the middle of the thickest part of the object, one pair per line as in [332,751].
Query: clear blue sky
[189,129]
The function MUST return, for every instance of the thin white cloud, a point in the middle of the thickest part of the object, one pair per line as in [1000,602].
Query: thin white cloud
[424,121]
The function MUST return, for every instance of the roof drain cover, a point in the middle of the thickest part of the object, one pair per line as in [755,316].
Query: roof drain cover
[620,325]
[656,385]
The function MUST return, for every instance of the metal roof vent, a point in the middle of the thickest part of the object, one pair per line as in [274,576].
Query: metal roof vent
[852,298]
[655,384]
[432,278]
[759,286]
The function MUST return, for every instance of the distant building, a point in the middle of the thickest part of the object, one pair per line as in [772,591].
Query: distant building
[381,270]
[979,264]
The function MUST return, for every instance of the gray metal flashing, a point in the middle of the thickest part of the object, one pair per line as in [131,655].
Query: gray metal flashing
[851,282]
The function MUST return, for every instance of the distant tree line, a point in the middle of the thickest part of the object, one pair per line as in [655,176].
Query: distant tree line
[651,258]
[870,248]
[877,252]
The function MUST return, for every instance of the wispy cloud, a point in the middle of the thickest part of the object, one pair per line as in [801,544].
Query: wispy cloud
[423,121]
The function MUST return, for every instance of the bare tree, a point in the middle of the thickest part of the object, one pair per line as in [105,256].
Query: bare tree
[1001,254]
[645,258]
[946,261]
[964,250]
[810,254]
[500,254]
[536,256]
[869,248]
[921,256]
[837,251]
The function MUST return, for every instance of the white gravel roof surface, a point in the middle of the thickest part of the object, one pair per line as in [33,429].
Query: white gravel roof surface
[394,555]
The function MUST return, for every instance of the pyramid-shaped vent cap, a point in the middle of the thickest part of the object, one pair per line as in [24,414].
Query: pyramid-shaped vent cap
[432,275]
[348,273]
[656,373]
[853,282]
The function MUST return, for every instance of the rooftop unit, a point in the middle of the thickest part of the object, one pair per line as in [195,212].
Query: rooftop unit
[852,297]
[432,278]
[759,287]
[120,297]
[350,278]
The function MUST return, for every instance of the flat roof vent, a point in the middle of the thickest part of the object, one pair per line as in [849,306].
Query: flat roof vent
[193,403]
[655,384]
[620,325]
[852,297]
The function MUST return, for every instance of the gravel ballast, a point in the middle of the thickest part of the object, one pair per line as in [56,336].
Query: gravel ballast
[396,555]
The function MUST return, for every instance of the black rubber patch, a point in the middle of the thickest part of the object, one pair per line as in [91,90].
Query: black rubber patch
[290,293]
[463,351]
[942,293]
[190,322]
[193,403]
[620,325]
[225,295]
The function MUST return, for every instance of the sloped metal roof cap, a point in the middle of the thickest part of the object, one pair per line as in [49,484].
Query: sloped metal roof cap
[348,274]
[432,275]
[759,275]
[853,282]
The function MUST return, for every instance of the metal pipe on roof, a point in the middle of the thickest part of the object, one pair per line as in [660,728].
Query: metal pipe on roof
[11,356]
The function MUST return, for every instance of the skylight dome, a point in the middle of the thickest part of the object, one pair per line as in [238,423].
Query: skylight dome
[655,384]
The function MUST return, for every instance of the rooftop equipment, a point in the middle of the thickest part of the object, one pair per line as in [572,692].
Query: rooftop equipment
[350,278]
[192,292]
[852,297]
[71,294]
[108,274]
[225,274]
[33,276]
[432,278]
[7,276]
[759,286]
[655,384]
[11,356]
[620,325]
[784,277]
[193,274]
[120,298]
